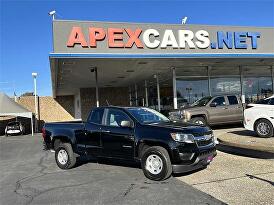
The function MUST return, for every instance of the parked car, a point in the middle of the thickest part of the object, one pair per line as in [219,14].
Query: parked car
[221,109]
[259,117]
[133,133]
[14,128]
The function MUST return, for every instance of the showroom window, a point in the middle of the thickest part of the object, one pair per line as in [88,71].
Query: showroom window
[192,84]
[257,83]
[225,80]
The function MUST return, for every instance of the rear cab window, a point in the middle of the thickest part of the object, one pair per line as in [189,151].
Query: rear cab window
[233,100]
[96,116]
[13,123]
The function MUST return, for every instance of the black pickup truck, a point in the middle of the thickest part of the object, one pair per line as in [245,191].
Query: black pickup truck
[133,133]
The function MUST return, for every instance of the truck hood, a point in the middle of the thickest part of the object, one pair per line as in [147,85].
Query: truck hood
[197,108]
[191,109]
[181,126]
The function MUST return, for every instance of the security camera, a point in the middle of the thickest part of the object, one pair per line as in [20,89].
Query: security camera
[52,12]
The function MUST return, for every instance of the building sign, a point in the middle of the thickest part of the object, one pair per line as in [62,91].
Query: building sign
[161,39]
[152,39]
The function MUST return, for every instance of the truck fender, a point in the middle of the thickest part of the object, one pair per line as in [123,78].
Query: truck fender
[149,143]
[65,136]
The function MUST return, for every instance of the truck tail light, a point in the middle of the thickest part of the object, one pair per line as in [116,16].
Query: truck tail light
[43,132]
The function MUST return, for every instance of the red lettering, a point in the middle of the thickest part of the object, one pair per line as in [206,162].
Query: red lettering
[134,38]
[76,37]
[115,38]
[96,34]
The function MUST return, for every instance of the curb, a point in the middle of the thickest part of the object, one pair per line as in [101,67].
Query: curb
[244,150]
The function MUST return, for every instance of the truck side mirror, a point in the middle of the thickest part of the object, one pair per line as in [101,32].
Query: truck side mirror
[126,123]
[213,104]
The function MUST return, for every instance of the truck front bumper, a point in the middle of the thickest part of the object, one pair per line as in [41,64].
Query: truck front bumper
[201,161]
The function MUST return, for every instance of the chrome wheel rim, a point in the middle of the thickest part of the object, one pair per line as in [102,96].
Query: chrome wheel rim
[263,128]
[62,156]
[154,164]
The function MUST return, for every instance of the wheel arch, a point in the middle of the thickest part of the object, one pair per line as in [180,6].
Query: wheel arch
[200,115]
[261,118]
[141,147]
[60,139]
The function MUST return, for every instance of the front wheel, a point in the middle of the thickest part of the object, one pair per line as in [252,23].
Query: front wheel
[64,156]
[156,164]
[264,128]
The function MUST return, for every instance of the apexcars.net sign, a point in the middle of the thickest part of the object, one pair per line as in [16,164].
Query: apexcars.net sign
[151,38]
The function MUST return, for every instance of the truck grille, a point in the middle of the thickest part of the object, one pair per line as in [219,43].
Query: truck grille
[175,116]
[202,143]
[207,152]
[204,140]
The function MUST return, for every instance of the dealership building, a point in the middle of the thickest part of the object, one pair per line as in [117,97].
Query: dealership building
[162,66]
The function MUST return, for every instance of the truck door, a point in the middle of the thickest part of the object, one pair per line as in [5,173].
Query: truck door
[93,132]
[218,110]
[235,108]
[117,141]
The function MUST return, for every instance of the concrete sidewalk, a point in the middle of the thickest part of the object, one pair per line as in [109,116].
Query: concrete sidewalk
[242,141]
[236,179]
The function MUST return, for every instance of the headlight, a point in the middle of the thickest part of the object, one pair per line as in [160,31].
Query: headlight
[182,113]
[180,137]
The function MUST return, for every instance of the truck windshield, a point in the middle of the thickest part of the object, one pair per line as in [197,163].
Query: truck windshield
[147,115]
[201,102]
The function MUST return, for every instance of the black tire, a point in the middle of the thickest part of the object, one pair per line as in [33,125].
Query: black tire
[269,128]
[198,120]
[166,169]
[71,158]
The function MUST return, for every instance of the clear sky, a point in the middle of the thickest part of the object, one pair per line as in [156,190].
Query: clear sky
[26,35]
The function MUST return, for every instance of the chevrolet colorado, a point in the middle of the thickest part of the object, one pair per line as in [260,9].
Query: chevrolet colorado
[133,133]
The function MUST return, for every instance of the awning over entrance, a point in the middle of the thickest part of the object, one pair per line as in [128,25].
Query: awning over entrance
[9,107]
[71,74]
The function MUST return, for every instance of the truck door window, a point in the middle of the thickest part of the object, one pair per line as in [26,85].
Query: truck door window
[232,99]
[220,101]
[115,117]
[96,116]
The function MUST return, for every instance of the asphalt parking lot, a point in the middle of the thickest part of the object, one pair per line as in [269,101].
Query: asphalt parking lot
[29,175]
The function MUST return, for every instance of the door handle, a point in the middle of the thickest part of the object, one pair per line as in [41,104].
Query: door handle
[107,131]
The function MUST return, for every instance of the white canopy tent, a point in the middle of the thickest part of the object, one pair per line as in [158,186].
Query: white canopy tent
[9,107]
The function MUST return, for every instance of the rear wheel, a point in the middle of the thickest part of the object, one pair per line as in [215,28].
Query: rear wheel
[156,163]
[64,156]
[198,120]
[264,128]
